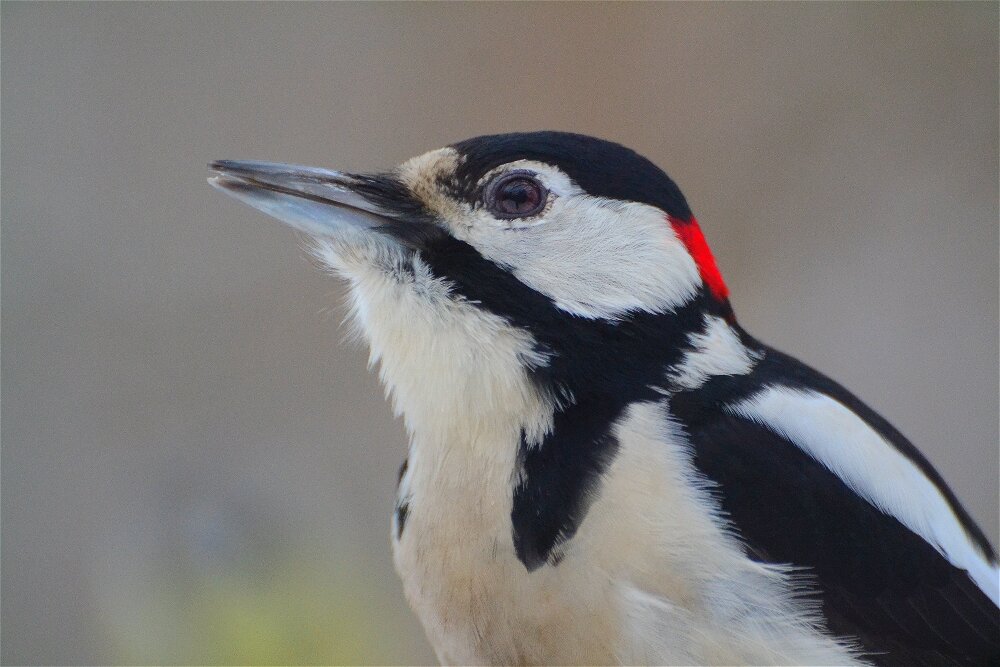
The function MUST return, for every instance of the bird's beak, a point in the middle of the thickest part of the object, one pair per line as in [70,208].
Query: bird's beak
[316,201]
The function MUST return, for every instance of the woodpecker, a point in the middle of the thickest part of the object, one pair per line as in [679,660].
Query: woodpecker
[604,467]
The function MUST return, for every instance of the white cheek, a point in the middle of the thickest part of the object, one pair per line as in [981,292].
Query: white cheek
[594,257]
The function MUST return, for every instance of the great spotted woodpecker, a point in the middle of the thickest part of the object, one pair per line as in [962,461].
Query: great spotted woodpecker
[604,467]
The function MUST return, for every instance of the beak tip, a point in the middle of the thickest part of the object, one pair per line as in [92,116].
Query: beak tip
[229,166]
[218,181]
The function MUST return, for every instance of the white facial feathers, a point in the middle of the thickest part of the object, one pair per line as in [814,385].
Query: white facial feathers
[594,257]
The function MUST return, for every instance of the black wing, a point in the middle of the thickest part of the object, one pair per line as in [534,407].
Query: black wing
[878,582]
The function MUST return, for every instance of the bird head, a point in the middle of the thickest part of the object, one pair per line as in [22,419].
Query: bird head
[580,249]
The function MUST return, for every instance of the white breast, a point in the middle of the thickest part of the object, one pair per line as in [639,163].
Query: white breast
[649,578]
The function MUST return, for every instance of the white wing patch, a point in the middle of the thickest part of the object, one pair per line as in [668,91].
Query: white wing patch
[843,442]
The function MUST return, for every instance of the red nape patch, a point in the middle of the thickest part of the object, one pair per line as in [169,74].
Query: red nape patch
[690,235]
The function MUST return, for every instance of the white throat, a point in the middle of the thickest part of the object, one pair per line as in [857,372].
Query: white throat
[455,372]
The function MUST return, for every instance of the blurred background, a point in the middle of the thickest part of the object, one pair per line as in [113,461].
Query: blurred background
[196,468]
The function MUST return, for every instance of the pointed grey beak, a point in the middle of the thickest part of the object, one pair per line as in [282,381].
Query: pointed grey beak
[316,201]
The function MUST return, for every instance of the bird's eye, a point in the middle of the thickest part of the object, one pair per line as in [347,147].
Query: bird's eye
[516,195]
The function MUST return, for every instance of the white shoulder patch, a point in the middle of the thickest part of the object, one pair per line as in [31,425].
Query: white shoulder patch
[843,442]
[716,350]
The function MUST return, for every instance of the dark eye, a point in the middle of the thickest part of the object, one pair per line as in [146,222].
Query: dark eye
[516,196]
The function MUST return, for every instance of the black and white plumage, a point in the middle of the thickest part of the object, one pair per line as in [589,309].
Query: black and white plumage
[604,467]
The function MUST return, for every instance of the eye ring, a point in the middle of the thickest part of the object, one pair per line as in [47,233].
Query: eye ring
[518,194]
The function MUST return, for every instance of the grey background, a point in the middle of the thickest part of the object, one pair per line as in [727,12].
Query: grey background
[196,468]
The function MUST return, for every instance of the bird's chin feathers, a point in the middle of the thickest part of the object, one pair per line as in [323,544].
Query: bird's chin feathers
[451,368]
